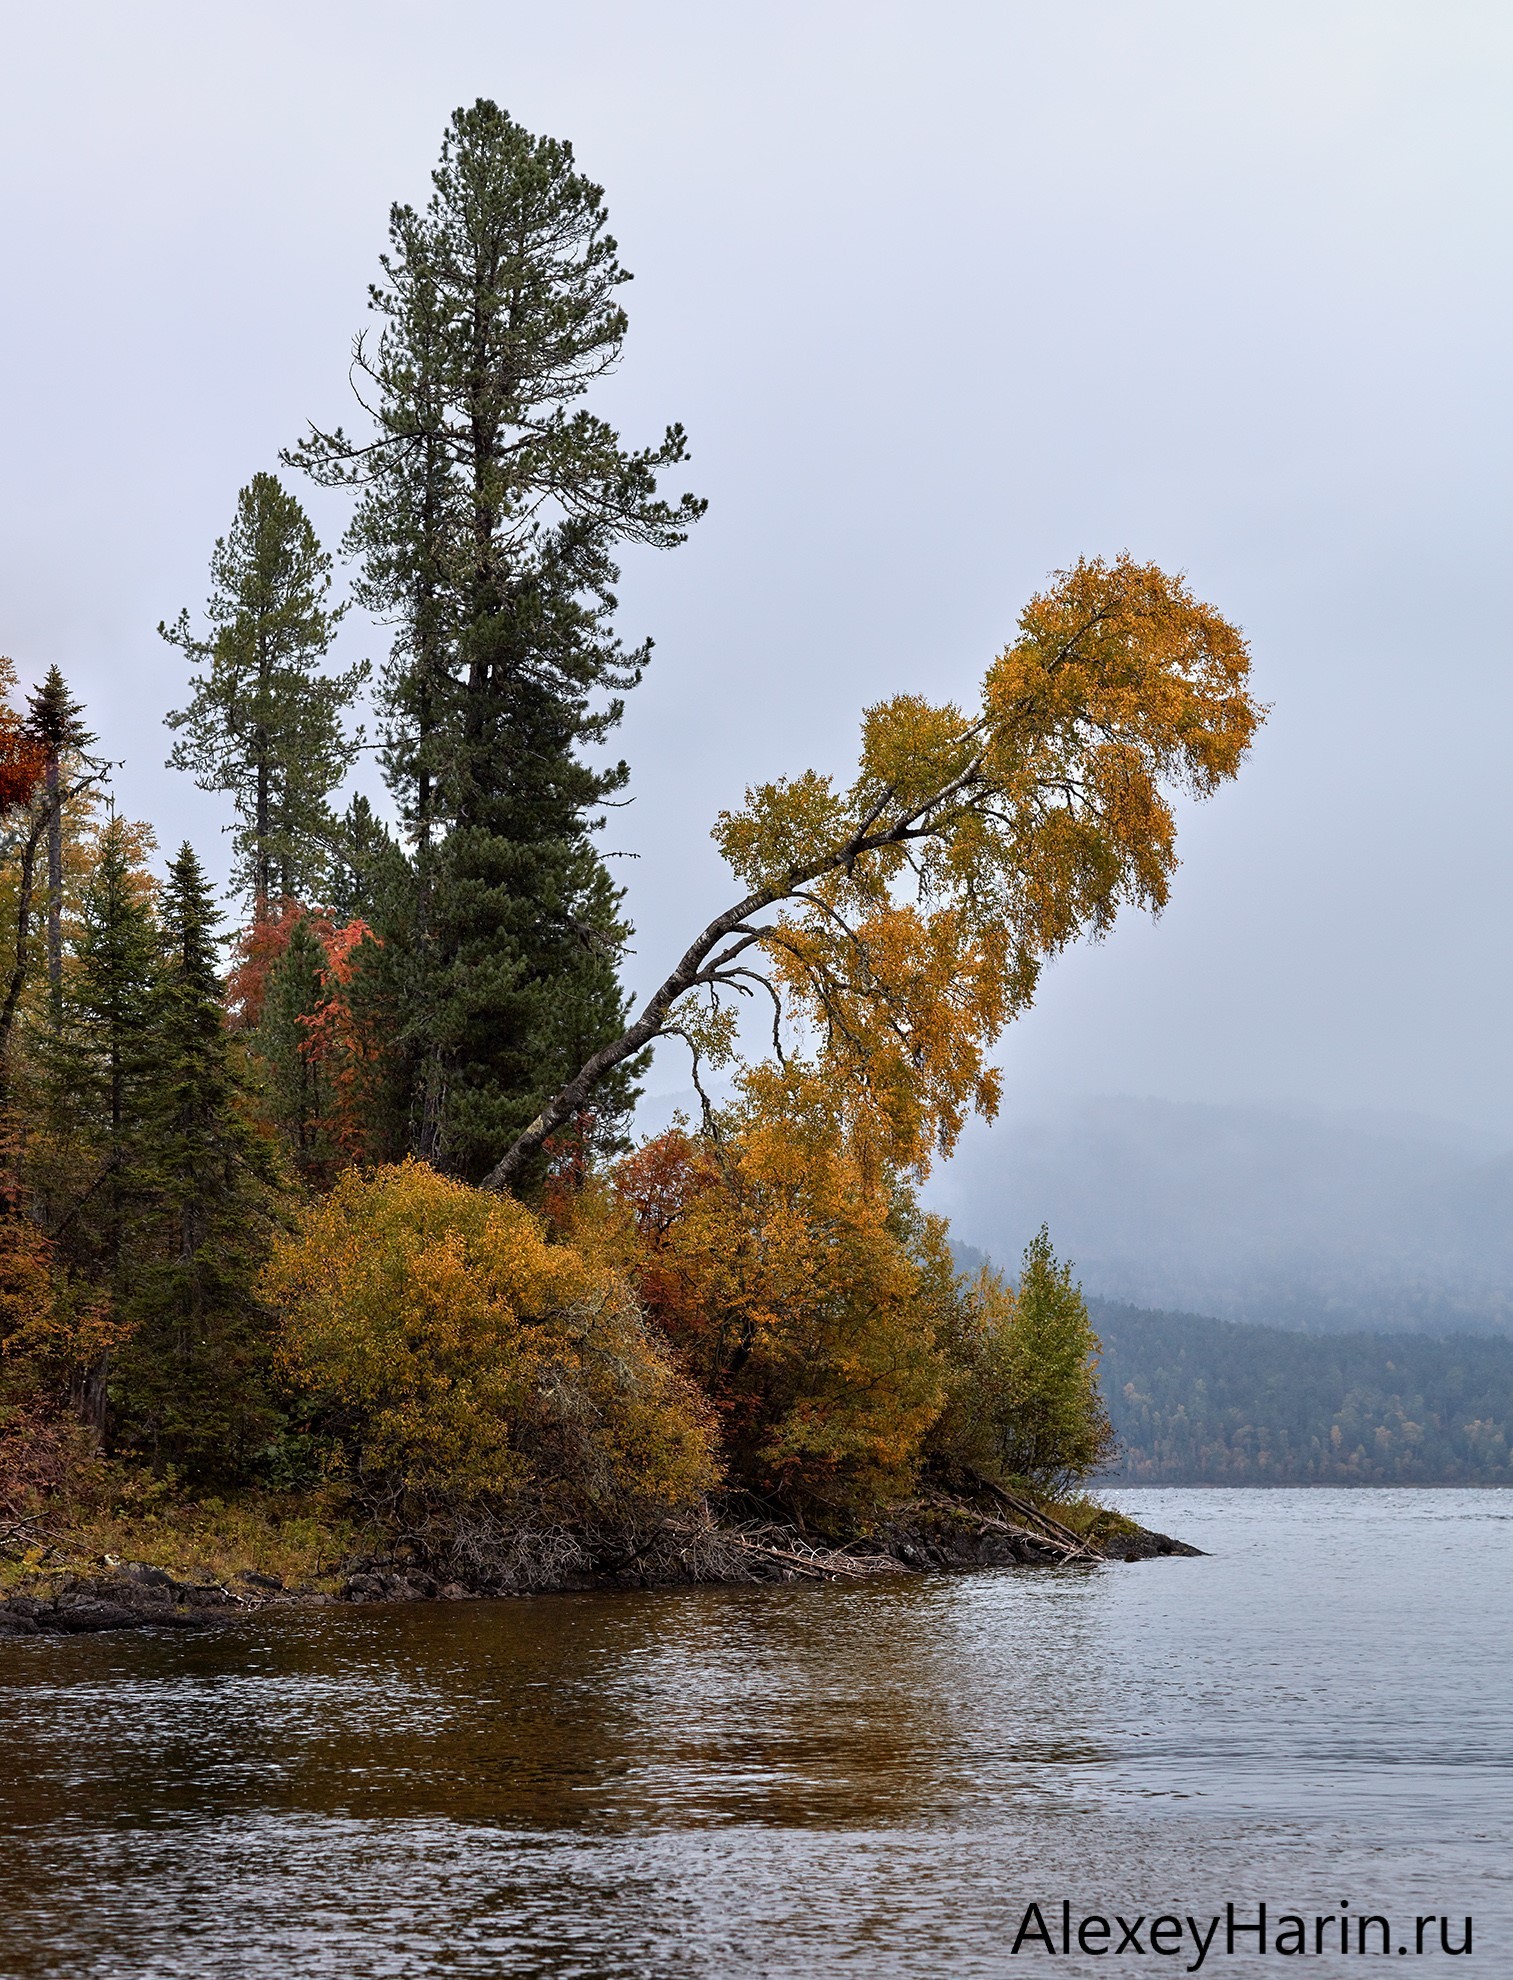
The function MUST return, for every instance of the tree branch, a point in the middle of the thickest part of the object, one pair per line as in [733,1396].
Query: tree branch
[695,964]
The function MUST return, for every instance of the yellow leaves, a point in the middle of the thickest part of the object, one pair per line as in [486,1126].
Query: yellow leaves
[781,828]
[465,1354]
[710,1029]
[913,916]
[910,749]
[904,997]
[1122,648]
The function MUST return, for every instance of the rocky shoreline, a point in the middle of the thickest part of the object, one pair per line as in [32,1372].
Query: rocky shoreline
[938,1536]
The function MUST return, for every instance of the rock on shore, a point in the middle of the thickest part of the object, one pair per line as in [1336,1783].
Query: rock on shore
[130,1597]
[941,1536]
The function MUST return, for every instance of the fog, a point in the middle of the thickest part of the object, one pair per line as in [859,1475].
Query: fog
[945,297]
[1322,1221]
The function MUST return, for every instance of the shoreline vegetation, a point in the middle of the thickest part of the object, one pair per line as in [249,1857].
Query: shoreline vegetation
[308,1559]
[333,1235]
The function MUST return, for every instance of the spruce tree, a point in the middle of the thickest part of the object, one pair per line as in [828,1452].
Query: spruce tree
[99,1066]
[190,1381]
[295,1089]
[368,871]
[57,720]
[264,723]
[493,508]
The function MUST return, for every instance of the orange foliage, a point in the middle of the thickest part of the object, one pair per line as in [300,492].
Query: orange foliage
[796,1286]
[257,949]
[26,1282]
[348,1053]
[55,1335]
[914,912]
[345,1055]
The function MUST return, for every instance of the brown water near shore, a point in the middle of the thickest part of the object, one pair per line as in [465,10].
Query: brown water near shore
[785,1781]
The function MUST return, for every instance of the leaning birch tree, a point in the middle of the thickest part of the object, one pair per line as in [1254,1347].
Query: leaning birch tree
[897,926]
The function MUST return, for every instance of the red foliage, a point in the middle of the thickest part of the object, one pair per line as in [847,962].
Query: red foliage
[44,1458]
[23,763]
[345,1054]
[259,946]
[659,1183]
[23,756]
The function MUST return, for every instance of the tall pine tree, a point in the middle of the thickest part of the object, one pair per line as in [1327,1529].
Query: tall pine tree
[493,508]
[264,722]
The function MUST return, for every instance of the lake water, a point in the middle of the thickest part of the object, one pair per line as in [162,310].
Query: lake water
[875,1780]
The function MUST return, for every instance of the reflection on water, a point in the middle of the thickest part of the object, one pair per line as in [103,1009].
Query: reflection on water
[783,1781]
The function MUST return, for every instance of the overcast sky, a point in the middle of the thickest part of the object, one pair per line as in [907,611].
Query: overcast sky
[945,295]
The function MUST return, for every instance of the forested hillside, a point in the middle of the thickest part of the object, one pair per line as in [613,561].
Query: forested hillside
[1200,1401]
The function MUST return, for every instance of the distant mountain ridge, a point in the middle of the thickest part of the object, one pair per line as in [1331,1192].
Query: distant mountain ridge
[1311,1221]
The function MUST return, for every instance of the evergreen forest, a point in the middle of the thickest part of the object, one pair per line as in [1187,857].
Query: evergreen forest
[1195,1401]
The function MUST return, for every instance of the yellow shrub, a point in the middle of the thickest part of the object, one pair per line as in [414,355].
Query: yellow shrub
[459,1355]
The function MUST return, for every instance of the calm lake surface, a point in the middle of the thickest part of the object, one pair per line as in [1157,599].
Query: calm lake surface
[871,1780]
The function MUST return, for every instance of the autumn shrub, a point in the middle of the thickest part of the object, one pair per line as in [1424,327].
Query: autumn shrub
[777,1261]
[461,1360]
[1024,1402]
[48,1463]
[58,1335]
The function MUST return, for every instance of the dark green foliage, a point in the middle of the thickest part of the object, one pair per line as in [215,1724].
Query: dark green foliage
[295,1087]
[146,1177]
[1025,1402]
[264,723]
[369,876]
[85,1162]
[492,508]
[1199,1401]
[380,1075]
[101,1065]
[57,719]
[190,1381]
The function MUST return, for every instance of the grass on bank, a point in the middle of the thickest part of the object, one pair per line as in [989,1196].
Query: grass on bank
[101,1514]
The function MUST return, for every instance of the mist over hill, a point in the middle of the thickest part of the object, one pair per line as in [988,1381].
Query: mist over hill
[1313,1221]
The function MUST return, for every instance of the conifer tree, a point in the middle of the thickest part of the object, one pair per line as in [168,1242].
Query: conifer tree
[57,720]
[189,1387]
[492,511]
[296,1090]
[264,723]
[98,1074]
[367,867]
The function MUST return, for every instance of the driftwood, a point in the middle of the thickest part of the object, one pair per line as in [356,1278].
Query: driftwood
[29,1532]
[1070,1549]
[1076,1547]
[782,1546]
[820,1563]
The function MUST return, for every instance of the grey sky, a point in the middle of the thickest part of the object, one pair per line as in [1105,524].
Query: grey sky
[945,296]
